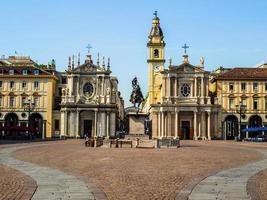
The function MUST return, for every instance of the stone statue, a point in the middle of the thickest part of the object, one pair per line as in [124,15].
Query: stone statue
[202,61]
[136,96]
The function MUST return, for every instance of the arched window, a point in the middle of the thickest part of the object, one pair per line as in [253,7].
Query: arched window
[156,53]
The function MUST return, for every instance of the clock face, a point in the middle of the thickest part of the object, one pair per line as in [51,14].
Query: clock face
[156,68]
[185,90]
[88,89]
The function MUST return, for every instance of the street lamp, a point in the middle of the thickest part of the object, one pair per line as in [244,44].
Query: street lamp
[241,110]
[29,107]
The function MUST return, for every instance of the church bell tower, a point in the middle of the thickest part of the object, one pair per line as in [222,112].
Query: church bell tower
[155,60]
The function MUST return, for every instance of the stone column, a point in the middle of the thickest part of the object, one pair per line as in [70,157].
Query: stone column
[203,125]
[165,124]
[162,124]
[78,134]
[169,128]
[209,125]
[107,132]
[159,123]
[176,124]
[169,86]
[195,125]
[62,124]
[195,87]
[202,90]
[175,82]
[95,132]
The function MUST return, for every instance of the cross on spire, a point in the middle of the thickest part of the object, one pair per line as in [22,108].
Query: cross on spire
[88,47]
[185,47]
[155,13]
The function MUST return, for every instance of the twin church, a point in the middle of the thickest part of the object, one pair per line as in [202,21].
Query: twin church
[184,100]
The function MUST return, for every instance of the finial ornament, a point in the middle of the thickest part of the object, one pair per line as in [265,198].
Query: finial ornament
[89,47]
[97,62]
[185,47]
[103,63]
[155,13]
[108,67]
[72,61]
[170,61]
[69,66]
[79,59]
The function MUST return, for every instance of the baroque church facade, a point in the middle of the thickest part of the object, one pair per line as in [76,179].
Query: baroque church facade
[178,99]
[90,101]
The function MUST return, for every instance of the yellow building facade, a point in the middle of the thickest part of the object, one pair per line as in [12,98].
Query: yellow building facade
[26,97]
[239,87]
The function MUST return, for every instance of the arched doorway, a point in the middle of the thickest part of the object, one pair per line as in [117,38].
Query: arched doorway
[11,120]
[231,127]
[36,122]
[255,121]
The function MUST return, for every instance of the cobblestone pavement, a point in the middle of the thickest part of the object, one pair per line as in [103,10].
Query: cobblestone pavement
[15,185]
[229,184]
[257,186]
[141,173]
[52,184]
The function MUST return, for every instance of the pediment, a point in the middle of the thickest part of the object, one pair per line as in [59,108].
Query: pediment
[86,68]
[186,68]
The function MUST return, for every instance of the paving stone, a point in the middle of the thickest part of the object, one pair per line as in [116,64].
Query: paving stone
[52,184]
[228,184]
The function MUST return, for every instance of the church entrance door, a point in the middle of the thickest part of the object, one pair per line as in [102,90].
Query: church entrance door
[87,128]
[185,130]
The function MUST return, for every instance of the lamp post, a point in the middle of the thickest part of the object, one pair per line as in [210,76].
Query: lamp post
[29,107]
[241,110]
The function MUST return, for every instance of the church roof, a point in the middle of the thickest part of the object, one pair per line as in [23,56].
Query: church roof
[156,29]
[244,73]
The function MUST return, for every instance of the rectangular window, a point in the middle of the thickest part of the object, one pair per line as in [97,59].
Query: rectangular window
[1,84]
[243,86]
[255,87]
[231,104]
[56,125]
[11,102]
[64,80]
[1,100]
[265,87]
[24,84]
[12,84]
[36,101]
[244,102]
[11,72]
[23,101]
[36,72]
[231,86]
[265,103]
[60,91]
[24,72]
[36,84]
[255,104]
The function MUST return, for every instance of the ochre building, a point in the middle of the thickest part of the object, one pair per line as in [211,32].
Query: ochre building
[26,97]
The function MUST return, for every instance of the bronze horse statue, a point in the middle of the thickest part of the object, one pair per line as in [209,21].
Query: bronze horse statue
[136,96]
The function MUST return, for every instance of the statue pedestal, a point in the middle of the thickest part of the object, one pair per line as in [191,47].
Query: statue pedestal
[137,123]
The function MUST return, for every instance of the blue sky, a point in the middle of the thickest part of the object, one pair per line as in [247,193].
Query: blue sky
[227,33]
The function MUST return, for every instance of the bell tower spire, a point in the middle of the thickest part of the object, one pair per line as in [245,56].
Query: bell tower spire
[156,59]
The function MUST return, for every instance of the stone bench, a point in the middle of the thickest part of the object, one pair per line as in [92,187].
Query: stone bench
[120,143]
[94,142]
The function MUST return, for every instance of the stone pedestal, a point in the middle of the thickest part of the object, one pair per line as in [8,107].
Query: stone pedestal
[137,123]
